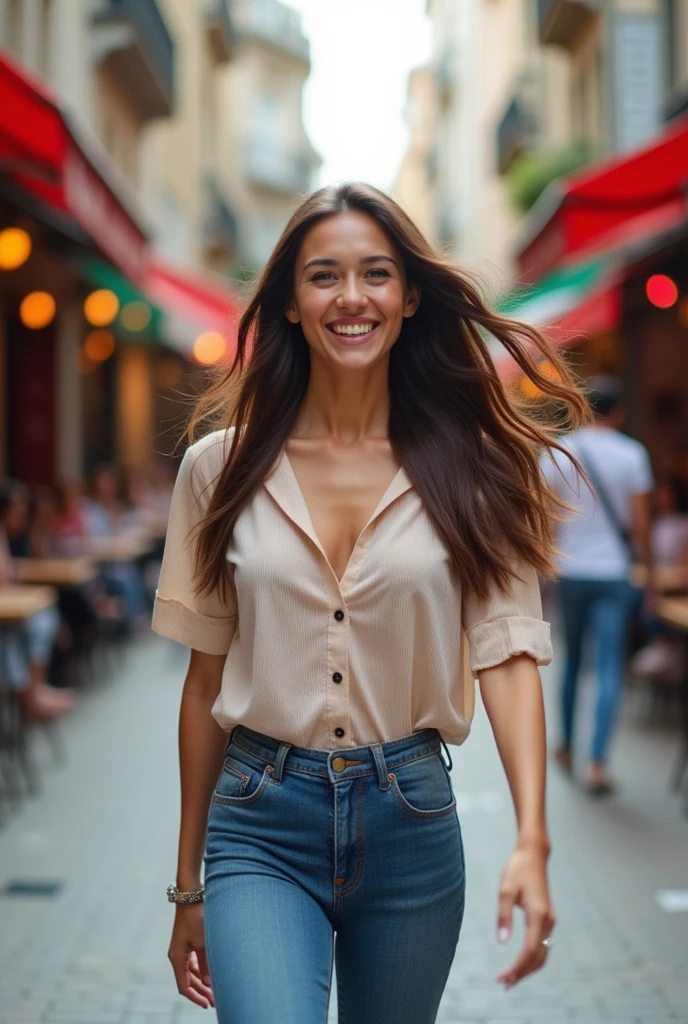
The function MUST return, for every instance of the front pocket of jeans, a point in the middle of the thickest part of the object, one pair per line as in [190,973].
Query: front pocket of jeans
[240,785]
[423,789]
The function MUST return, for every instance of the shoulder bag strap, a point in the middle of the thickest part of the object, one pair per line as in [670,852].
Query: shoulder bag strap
[619,529]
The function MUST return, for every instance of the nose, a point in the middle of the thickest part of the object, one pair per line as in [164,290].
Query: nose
[351,296]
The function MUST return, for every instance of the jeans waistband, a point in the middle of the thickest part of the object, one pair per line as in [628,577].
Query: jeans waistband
[377,759]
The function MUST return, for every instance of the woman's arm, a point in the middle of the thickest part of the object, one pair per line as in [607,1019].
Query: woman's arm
[201,746]
[512,695]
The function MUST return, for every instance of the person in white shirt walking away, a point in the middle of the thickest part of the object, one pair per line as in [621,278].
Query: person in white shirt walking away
[597,546]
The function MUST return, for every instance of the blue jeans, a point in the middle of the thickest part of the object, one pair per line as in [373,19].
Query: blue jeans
[305,845]
[602,609]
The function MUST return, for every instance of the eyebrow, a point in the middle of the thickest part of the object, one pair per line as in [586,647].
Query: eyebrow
[323,262]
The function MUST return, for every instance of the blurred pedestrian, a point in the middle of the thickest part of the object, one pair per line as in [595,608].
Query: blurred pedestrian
[597,544]
[30,647]
[377,493]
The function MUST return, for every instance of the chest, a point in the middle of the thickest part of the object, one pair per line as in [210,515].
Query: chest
[341,490]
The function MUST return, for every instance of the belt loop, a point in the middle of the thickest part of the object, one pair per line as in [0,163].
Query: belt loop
[446,750]
[382,773]
[284,749]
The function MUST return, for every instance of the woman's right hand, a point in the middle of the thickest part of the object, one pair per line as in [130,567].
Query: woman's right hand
[187,955]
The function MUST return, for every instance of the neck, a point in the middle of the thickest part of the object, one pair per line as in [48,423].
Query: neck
[347,407]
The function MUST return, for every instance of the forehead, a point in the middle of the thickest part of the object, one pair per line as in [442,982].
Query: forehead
[346,235]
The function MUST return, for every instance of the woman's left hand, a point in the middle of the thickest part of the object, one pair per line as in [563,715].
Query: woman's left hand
[524,884]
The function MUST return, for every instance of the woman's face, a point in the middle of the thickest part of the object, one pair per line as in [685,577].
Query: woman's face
[350,293]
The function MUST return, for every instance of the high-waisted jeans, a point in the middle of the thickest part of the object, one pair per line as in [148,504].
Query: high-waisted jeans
[304,845]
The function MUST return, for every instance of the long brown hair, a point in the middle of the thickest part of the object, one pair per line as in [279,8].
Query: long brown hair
[470,449]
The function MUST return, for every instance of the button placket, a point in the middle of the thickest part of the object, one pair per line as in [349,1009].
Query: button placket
[337,675]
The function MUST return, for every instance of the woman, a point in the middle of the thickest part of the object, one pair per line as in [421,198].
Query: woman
[378,493]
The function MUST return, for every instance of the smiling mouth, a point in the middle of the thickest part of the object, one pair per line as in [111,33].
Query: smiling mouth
[353,330]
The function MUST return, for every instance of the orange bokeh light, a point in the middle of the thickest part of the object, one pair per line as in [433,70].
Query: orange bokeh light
[661,291]
[209,347]
[37,310]
[99,346]
[15,248]
[101,307]
[136,316]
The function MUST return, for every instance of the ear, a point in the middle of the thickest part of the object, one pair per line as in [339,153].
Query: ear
[412,301]
[292,314]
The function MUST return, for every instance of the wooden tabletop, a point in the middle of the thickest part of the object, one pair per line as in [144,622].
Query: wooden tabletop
[674,611]
[667,577]
[60,572]
[18,603]
[119,549]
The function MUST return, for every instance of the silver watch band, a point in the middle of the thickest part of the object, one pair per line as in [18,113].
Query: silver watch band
[175,895]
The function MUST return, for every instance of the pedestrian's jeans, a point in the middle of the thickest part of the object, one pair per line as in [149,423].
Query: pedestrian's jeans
[602,610]
[304,844]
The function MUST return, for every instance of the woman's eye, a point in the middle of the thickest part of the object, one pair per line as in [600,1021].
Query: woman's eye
[322,275]
[378,272]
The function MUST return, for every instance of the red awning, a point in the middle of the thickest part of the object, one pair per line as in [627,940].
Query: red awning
[193,304]
[40,149]
[626,199]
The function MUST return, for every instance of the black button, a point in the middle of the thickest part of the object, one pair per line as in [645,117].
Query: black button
[339,732]
[339,615]
[337,677]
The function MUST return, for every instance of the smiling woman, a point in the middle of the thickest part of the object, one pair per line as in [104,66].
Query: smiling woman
[358,540]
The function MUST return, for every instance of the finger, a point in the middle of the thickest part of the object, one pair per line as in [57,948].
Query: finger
[183,976]
[505,913]
[203,965]
[202,989]
[539,923]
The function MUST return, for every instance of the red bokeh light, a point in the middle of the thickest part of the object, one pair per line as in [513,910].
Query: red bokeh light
[661,291]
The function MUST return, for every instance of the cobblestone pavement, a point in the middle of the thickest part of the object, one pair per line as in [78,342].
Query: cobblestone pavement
[105,825]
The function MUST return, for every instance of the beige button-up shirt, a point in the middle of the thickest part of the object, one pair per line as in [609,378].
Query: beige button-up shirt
[333,664]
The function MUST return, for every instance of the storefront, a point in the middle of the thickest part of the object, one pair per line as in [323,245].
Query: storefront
[605,276]
[97,337]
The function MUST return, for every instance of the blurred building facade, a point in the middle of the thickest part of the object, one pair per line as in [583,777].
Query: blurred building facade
[163,185]
[558,164]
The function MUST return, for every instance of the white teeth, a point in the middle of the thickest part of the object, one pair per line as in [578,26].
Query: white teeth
[352,328]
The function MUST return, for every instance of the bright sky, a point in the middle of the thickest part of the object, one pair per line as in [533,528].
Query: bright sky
[361,52]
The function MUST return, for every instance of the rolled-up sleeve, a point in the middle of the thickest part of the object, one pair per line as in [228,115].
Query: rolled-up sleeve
[506,624]
[204,622]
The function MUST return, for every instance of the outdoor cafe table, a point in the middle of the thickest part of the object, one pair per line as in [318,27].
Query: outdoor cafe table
[127,548]
[58,572]
[17,603]
[673,611]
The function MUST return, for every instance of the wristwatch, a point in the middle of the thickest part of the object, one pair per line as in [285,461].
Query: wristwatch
[175,895]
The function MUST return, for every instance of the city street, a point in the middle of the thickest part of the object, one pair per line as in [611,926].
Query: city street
[104,828]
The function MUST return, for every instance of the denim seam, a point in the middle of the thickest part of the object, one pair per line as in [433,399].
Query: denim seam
[244,801]
[417,812]
[359,842]
[392,763]
[227,767]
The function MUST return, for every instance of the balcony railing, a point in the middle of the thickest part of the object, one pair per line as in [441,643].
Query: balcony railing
[515,132]
[560,21]
[131,38]
[220,228]
[274,23]
[280,170]
[220,29]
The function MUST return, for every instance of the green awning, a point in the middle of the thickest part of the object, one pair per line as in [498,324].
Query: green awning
[556,295]
[138,319]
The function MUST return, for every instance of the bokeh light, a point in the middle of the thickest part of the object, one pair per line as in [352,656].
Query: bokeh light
[136,316]
[209,347]
[661,291]
[530,389]
[15,248]
[99,345]
[37,310]
[101,307]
